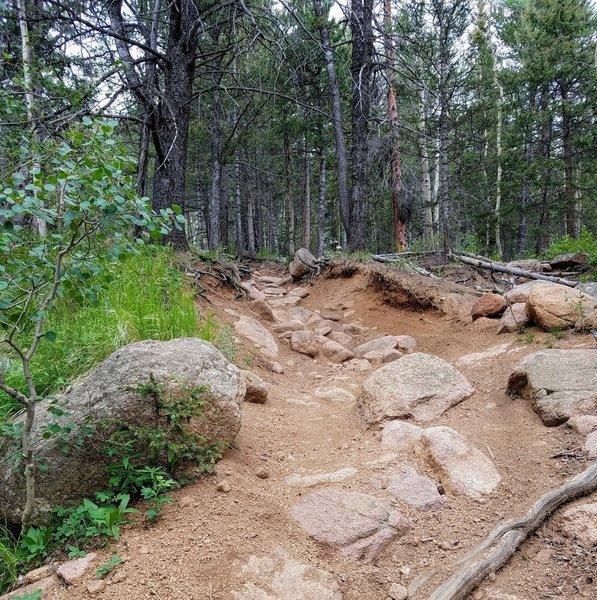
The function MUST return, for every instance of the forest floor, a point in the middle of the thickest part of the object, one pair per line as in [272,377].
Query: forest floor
[202,544]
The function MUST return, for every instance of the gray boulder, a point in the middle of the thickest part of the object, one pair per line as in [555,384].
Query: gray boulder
[558,383]
[302,263]
[111,392]
[418,386]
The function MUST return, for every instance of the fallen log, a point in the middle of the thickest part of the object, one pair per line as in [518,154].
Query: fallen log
[504,539]
[494,266]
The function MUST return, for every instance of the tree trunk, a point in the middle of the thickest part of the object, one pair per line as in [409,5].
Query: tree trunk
[307,204]
[238,216]
[568,166]
[341,155]
[361,27]
[321,207]
[400,210]
[424,166]
[215,200]
[289,198]
[546,135]
[498,145]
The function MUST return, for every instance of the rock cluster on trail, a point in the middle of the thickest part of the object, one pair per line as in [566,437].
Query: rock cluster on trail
[548,305]
[110,392]
[417,386]
[558,383]
[359,525]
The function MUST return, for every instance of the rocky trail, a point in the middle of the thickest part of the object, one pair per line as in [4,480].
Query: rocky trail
[332,492]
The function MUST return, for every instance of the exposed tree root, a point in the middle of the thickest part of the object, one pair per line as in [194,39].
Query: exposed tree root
[504,539]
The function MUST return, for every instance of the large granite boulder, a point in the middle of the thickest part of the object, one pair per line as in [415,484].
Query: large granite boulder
[558,306]
[559,383]
[112,391]
[417,386]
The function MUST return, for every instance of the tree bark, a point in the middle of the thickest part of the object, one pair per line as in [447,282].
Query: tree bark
[424,165]
[400,212]
[340,141]
[307,203]
[215,200]
[321,207]
[568,166]
[361,17]
[289,197]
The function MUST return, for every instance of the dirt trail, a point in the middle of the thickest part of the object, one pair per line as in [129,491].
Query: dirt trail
[198,548]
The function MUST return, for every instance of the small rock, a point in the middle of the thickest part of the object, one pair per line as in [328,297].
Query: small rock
[305,343]
[488,305]
[95,587]
[276,367]
[398,592]
[334,394]
[580,522]
[399,435]
[336,352]
[300,292]
[590,446]
[223,486]
[358,364]
[583,424]
[382,344]
[262,473]
[118,577]
[37,574]
[298,480]
[263,309]
[411,487]
[254,331]
[331,314]
[74,570]
[477,595]
[342,338]
[514,319]
[274,291]
[406,343]
[186,501]
[256,388]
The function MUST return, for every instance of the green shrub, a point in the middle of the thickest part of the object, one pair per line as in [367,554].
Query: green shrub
[585,242]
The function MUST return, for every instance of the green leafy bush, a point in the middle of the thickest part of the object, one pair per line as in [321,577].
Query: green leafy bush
[585,242]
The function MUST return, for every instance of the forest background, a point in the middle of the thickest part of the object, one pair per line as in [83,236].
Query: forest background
[370,126]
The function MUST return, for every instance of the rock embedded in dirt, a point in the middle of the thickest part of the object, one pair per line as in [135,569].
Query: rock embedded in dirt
[408,485]
[554,306]
[302,263]
[111,391]
[580,522]
[589,288]
[262,308]
[583,424]
[283,301]
[358,524]
[488,305]
[336,352]
[382,344]
[288,326]
[300,292]
[334,394]
[269,279]
[406,343]
[281,577]
[418,386]
[342,338]
[398,592]
[255,332]
[253,292]
[73,571]
[256,388]
[331,314]
[558,383]
[277,368]
[274,291]
[477,357]
[298,480]
[46,586]
[590,446]
[383,356]
[224,486]
[304,342]
[463,467]
[514,319]
[400,436]
[95,587]
[358,364]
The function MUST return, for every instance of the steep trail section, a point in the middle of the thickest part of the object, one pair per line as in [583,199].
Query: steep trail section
[304,467]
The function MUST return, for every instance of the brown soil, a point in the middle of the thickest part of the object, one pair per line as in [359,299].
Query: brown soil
[196,549]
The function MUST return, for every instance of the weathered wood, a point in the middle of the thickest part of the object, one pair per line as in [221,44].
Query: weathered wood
[494,266]
[504,539]
[392,258]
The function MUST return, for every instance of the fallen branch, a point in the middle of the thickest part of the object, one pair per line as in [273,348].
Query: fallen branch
[504,539]
[493,266]
[400,258]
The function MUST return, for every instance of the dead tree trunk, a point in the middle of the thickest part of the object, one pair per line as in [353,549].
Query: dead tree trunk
[321,206]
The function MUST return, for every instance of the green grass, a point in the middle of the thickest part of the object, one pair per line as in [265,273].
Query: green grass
[145,298]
